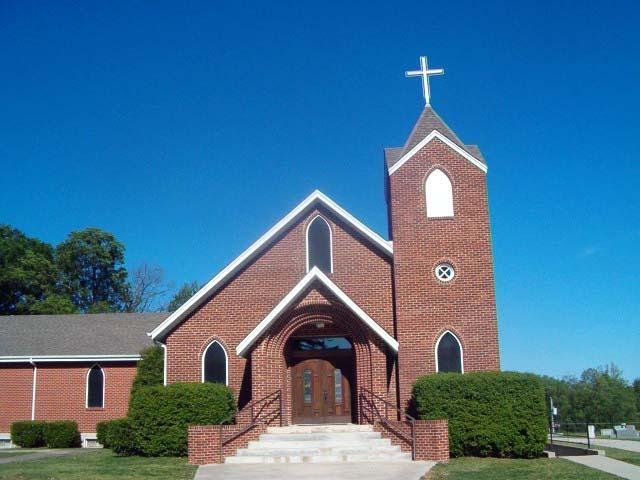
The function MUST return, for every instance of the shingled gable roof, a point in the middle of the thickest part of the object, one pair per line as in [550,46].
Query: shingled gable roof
[429,126]
[76,337]
[317,198]
[314,275]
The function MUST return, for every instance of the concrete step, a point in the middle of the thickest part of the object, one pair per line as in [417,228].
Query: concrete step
[372,442]
[324,428]
[306,452]
[301,437]
[320,444]
[352,458]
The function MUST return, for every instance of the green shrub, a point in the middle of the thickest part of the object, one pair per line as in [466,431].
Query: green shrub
[118,436]
[150,369]
[111,432]
[62,434]
[160,415]
[490,413]
[103,431]
[28,433]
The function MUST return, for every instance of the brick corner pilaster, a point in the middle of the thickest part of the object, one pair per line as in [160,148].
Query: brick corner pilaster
[432,440]
[204,444]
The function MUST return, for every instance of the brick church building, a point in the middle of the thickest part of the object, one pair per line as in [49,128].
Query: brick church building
[319,309]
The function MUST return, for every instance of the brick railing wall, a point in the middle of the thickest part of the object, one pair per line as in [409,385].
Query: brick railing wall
[204,441]
[432,437]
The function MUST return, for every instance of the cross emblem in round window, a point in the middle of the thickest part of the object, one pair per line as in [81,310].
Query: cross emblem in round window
[444,272]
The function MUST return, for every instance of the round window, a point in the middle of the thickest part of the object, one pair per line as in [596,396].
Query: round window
[444,272]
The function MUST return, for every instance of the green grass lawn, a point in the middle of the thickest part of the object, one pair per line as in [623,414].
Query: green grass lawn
[12,452]
[470,468]
[98,465]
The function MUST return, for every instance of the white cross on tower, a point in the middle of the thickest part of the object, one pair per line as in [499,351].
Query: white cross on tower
[424,72]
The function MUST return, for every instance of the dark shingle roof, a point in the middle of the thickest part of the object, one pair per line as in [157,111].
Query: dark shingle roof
[95,334]
[428,121]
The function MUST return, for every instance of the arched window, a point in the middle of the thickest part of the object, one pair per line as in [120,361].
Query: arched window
[439,195]
[95,387]
[214,364]
[319,248]
[449,353]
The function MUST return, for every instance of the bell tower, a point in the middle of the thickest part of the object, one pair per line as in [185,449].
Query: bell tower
[442,262]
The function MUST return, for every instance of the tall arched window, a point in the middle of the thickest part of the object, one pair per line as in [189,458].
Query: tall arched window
[449,353]
[214,364]
[439,195]
[95,387]
[319,248]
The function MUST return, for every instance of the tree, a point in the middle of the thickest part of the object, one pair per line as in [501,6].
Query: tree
[187,291]
[150,369]
[146,286]
[27,271]
[91,270]
[636,391]
[54,304]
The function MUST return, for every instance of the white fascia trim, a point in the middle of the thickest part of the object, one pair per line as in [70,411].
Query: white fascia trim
[314,274]
[446,141]
[244,257]
[70,358]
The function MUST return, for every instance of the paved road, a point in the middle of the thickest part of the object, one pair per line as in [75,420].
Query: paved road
[609,465]
[630,445]
[316,471]
[39,454]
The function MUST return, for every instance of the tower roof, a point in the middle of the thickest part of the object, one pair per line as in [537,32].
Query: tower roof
[428,121]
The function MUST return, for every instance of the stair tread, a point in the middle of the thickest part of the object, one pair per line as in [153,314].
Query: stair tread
[319,444]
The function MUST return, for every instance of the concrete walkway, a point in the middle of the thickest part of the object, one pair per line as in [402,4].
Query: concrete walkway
[40,454]
[630,445]
[609,465]
[316,471]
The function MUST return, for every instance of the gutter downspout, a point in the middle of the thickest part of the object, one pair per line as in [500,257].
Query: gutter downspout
[164,363]
[33,393]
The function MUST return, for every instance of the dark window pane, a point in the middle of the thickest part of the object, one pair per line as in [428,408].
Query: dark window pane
[319,245]
[306,385]
[321,343]
[95,384]
[449,355]
[215,364]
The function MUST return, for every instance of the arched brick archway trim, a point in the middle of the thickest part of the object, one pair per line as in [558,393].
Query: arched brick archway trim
[269,358]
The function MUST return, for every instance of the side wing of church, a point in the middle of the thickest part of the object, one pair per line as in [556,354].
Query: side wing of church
[321,309]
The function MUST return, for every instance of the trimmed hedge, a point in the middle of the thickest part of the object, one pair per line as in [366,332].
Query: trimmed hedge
[159,416]
[38,433]
[28,433]
[117,435]
[62,434]
[103,432]
[150,369]
[500,414]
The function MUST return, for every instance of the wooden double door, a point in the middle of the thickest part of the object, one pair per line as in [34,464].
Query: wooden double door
[322,389]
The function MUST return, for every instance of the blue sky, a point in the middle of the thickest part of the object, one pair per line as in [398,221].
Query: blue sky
[188,130]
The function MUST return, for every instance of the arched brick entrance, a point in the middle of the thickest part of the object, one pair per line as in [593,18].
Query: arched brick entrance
[272,362]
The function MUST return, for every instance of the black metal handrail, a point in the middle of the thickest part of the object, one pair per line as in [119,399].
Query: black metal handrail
[368,404]
[259,417]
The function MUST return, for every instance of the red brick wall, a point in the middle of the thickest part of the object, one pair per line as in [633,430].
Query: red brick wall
[432,437]
[231,313]
[15,394]
[432,440]
[426,307]
[61,393]
[204,442]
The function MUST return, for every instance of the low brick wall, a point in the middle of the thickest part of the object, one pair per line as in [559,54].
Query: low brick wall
[204,441]
[432,437]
